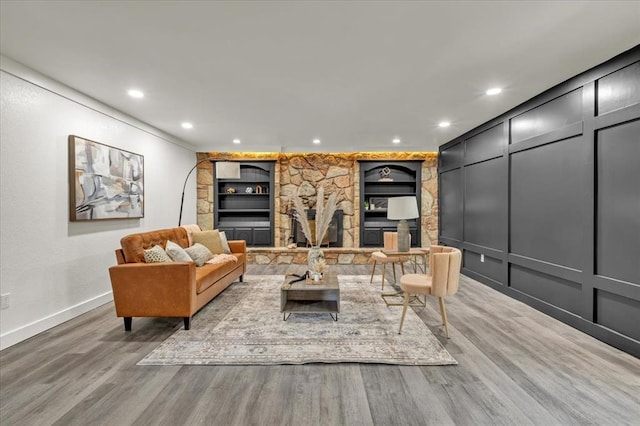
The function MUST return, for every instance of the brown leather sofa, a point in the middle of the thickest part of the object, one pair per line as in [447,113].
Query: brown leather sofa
[176,289]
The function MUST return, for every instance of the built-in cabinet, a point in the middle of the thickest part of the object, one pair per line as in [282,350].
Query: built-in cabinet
[379,181]
[243,208]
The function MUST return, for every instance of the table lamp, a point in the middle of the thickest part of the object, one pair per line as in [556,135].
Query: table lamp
[403,208]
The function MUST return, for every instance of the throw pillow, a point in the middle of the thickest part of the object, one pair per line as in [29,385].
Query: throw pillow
[225,244]
[199,254]
[209,239]
[177,253]
[156,254]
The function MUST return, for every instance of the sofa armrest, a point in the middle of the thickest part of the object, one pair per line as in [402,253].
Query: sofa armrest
[154,289]
[238,246]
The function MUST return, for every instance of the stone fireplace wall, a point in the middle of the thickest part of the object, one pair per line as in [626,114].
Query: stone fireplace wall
[337,172]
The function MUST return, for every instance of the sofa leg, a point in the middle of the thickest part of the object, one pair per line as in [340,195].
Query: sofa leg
[127,323]
[241,278]
[187,323]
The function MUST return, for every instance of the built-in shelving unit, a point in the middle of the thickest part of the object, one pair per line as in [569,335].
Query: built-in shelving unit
[379,181]
[243,208]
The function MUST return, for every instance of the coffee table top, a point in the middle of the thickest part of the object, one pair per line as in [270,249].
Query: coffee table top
[329,281]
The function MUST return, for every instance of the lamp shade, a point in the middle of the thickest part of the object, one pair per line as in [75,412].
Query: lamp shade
[227,170]
[402,208]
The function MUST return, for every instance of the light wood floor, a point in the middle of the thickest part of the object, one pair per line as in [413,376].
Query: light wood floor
[516,366]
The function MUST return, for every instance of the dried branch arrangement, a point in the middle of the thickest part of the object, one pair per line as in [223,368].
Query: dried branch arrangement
[324,214]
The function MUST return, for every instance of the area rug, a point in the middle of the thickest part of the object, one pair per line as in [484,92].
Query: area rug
[244,326]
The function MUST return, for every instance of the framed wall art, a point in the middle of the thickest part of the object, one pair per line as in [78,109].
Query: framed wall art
[104,182]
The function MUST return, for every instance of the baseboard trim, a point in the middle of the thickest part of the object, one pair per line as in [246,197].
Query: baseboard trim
[20,334]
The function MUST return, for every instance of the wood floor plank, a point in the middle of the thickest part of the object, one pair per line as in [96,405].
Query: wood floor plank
[516,366]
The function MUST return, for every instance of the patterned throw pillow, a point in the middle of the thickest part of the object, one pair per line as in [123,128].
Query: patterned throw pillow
[225,244]
[199,253]
[177,253]
[209,239]
[156,255]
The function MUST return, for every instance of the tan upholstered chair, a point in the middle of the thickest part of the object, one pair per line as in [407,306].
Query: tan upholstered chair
[442,280]
[390,243]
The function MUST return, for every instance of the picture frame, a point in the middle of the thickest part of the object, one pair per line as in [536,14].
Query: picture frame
[105,182]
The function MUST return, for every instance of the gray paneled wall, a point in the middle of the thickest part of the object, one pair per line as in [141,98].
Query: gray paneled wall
[544,201]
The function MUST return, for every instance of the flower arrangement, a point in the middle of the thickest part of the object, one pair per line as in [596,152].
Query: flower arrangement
[324,214]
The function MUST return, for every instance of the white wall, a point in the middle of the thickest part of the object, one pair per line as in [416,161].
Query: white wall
[55,269]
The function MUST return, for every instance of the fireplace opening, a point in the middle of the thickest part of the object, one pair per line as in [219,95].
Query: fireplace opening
[333,238]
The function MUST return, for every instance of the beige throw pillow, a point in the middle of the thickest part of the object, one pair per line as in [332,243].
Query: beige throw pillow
[209,239]
[199,253]
[225,244]
[177,253]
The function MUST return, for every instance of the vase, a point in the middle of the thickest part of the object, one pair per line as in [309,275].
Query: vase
[315,254]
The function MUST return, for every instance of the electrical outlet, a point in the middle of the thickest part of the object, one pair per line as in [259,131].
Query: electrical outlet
[482,258]
[4,301]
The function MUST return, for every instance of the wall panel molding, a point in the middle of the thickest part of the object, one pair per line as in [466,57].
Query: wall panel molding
[567,201]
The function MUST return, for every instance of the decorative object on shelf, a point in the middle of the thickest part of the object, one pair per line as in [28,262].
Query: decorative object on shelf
[260,189]
[403,208]
[324,214]
[248,190]
[379,203]
[385,175]
[104,182]
[227,170]
[366,205]
[230,190]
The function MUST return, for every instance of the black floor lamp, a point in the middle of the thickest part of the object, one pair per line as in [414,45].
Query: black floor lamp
[184,187]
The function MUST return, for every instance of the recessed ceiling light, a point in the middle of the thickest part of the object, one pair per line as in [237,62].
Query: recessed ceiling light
[494,91]
[316,141]
[236,141]
[135,93]
[444,124]
[396,140]
[187,125]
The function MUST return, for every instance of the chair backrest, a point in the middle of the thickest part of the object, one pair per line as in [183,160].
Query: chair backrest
[444,268]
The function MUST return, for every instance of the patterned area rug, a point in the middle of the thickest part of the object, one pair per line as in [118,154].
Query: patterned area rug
[244,326]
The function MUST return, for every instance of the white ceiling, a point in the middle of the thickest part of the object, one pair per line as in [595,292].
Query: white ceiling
[277,74]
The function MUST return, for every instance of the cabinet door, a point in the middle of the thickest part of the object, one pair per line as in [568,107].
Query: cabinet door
[244,234]
[372,237]
[262,237]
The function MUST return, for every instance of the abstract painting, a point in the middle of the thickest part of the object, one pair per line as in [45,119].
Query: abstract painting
[104,182]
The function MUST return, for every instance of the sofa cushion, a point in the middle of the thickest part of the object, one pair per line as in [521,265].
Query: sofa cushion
[177,253]
[209,274]
[209,239]
[199,253]
[134,245]
[156,254]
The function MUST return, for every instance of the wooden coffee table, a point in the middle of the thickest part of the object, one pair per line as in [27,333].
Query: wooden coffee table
[311,297]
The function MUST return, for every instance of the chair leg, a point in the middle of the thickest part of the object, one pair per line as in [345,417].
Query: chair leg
[402,267]
[405,305]
[373,271]
[443,312]
[384,272]
[395,279]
